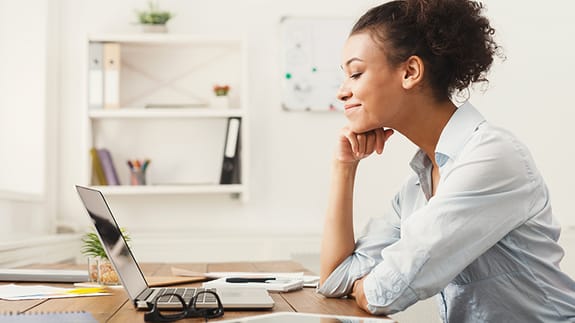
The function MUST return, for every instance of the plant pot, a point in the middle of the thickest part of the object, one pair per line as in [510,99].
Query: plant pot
[151,28]
[220,102]
[101,271]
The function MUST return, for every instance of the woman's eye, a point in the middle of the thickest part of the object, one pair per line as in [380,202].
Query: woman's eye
[355,75]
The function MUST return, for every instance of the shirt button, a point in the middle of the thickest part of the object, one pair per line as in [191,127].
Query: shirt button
[395,288]
[389,295]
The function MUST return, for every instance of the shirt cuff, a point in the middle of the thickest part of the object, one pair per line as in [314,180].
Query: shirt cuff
[387,292]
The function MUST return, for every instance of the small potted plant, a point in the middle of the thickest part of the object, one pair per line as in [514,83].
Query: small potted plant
[100,270]
[221,100]
[154,19]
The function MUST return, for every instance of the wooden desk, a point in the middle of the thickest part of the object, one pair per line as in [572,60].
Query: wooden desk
[118,307]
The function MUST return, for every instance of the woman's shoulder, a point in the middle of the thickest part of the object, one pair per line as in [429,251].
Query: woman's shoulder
[496,139]
[498,144]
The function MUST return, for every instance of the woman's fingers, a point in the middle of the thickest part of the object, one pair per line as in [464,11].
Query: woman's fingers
[352,138]
[370,142]
[379,140]
[364,144]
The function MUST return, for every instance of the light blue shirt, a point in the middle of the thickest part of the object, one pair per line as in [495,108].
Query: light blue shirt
[485,244]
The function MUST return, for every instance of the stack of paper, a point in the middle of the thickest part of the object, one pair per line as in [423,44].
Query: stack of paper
[17,292]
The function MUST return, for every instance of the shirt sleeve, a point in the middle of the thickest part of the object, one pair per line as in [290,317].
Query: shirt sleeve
[379,233]
[482,196]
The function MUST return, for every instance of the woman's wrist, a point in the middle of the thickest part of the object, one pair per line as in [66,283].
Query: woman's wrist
[340,165]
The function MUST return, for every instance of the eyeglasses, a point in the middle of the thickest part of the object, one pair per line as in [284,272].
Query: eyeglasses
[184,310]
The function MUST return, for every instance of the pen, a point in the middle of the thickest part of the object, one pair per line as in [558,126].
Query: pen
[248,280]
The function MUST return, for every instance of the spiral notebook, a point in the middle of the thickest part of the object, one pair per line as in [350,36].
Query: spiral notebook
[48,317]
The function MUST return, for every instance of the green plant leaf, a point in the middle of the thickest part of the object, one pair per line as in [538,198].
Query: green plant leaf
[92,247]
[154,15]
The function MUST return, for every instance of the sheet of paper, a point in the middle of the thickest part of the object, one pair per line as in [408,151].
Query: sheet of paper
[19,292]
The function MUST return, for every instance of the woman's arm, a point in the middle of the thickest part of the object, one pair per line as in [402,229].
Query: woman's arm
[338,238]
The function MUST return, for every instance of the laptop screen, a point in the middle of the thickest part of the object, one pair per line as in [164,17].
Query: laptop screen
[113,241]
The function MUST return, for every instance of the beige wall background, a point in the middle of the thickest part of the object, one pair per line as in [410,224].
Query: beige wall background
[529,93]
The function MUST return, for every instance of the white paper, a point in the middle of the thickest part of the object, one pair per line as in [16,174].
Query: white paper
[17,292]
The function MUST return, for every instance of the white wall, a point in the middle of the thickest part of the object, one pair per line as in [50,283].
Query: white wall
[28,153]
[22,98]
[291,152]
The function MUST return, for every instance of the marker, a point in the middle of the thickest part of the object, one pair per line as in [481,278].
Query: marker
[146,163]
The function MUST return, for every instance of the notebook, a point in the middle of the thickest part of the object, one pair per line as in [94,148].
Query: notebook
[55,317]
[121,257]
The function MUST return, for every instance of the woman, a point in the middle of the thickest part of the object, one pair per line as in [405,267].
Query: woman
[474,224]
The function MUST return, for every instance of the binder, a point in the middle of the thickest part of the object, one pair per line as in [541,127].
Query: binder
[231,160]
[108,167]
[97,170]
[111,75]
[95,76]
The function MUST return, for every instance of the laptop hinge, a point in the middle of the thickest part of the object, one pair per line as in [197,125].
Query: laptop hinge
[141,300]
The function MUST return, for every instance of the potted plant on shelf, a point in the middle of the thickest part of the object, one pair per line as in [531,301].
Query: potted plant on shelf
[100,270]
[220,99]
[154,19]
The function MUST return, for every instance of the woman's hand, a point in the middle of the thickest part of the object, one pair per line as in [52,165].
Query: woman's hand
[359,295]
[353,147]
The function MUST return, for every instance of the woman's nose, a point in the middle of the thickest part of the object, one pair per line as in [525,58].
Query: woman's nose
[343,93]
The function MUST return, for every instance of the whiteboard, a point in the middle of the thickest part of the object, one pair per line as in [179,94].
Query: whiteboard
[311,54]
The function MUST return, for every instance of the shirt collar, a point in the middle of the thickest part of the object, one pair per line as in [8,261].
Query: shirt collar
[457,131]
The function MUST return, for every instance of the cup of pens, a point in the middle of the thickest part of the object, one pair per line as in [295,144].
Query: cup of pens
[138,171]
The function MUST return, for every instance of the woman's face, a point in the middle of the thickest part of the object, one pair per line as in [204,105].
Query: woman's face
[372,89]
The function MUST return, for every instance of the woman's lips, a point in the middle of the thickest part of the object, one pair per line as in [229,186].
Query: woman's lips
[350,106]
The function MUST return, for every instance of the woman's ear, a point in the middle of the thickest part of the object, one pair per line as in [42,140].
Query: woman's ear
[413,72]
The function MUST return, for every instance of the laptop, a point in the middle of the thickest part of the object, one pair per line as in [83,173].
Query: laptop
[141,294]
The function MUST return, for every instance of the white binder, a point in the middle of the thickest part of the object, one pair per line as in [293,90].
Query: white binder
[95,76]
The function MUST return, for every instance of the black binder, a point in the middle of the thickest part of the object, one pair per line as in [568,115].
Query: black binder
[231,161]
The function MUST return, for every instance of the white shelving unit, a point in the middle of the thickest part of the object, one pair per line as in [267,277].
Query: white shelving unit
[164,113]
[185,143]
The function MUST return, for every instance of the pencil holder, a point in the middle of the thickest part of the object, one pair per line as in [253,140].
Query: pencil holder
[137,177]
[138,171]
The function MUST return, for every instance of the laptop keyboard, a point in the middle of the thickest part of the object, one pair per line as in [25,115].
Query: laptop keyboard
[187,294]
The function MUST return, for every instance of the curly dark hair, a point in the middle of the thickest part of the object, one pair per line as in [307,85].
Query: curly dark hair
[452,37]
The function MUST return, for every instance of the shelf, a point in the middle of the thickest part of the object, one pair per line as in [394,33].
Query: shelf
[167,111]
[171,189]
[168,38]
[128,113]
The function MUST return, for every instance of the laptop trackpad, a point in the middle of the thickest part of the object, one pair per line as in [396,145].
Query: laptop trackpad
[245,297]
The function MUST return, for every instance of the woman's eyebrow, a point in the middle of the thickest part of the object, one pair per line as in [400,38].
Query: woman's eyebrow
[351,60]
